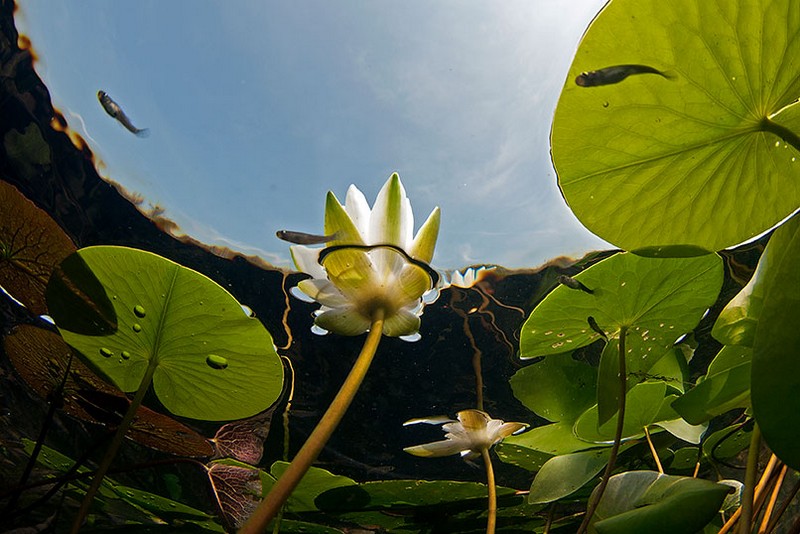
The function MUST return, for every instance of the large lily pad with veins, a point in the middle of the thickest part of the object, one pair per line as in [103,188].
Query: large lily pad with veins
[705,157]
[213,361]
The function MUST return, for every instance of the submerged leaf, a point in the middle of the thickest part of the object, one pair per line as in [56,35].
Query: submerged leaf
[725,387]
[565,474]
[646,501]
[775,373]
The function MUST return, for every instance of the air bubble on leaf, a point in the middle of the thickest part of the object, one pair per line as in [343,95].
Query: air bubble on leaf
[216,362]
[139,311]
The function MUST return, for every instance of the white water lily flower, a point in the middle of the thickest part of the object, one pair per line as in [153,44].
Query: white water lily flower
[466,278]
[355,285]
[474,432]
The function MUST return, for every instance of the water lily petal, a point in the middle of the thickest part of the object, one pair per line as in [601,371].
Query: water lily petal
[307,260]
[323,292]
[357,207]
[413,282]
[425,241]
[345,321]
[432,420]
[392,219]
[510,428]
[437,448]
[401,323]
[338,221]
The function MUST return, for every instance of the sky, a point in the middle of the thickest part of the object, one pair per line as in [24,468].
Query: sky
[256,109]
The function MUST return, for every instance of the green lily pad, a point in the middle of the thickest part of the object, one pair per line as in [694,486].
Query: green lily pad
[657,300]
[727,443]
[558,389]
[182,322]
[646,501]
[775,372]
[554,439]
[524,457]
[642,408]
[388,494]
[143,506]
[737,322]
[704,157]
[684,459]
[314,483]
[563,475]
[725,387]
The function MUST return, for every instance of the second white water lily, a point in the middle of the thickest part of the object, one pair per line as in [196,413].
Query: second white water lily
[474,432]
[352,284]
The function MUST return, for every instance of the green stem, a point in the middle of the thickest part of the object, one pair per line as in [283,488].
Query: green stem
[282,489]
[748,493]
[623,386]
[492,508]
[788,136]
[111,452]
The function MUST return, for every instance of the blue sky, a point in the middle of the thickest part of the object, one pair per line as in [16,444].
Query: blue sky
[257,109]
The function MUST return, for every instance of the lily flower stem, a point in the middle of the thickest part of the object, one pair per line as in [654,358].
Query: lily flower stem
[113,447]
[492,521]
[623,385]
[748,493]
[285,485]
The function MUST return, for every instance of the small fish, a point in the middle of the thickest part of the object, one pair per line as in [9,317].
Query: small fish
[113,109]
[615,74]
[301,238]
[572,283]
[594,326]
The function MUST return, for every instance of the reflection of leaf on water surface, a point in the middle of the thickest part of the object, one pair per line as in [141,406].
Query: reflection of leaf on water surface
[31,246]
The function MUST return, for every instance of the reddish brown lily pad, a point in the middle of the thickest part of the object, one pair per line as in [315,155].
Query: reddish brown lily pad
[244,439]
[40,357]
[31,246]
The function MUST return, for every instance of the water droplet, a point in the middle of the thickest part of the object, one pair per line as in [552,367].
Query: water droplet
[623,284]
[137,327]
[126,355]
[106,352]
[561,334]
[139,310]
[114,297]
[216,362]
[548,332]
[129,493]
[777,143]
[605,104]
